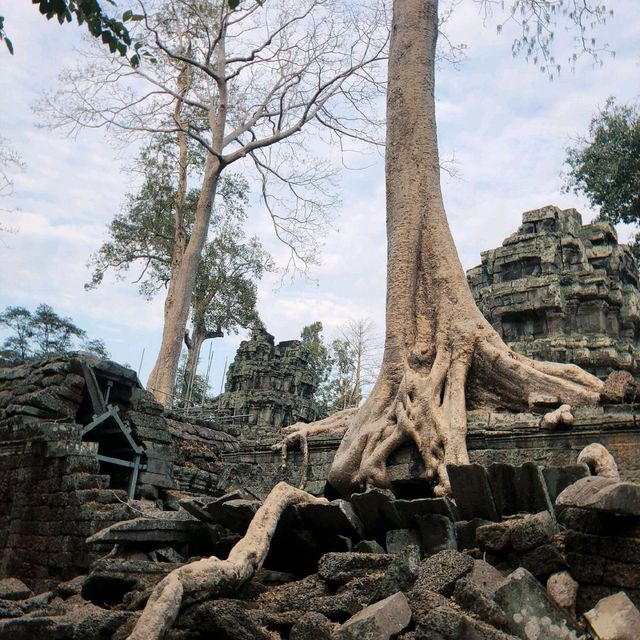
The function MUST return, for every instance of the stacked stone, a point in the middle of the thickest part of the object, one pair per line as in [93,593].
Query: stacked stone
[52,496]
[602,540]
[268,387]
[562,291]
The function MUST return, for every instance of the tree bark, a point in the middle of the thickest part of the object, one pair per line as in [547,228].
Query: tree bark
[440,354]
[178,301]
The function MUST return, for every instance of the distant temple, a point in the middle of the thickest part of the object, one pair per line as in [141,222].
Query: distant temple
[562,291]
[268,387]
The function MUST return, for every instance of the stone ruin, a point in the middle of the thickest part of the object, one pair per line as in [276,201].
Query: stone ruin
[103,492]
[268,387]
[562,291]
[536,540]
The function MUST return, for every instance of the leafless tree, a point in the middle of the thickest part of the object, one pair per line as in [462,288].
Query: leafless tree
[258,85]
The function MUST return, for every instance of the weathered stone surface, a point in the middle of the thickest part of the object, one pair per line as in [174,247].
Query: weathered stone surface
[446,623]
[437,533]
[440,572]
[14,589]
[530,612]
[377,512]
[619,387]
[466,532]
[471,491]
[520,489]
[293,596]
[486,577]
[563,590]
[541,561]
[399,539]
[312,626]
[368,546]
[342,567]
[559,478]
[470,596]
[156,530]
[520,534]
[335,518]
[615,618]
[408,509]
[222,618]
[562,291]
[378,621]
[598,493]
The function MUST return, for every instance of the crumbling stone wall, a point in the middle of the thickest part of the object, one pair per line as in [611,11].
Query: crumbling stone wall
[54,492]
[493,437]
[268,387]
[562,291]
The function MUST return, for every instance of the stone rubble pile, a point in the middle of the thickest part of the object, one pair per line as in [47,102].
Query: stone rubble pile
[516,552]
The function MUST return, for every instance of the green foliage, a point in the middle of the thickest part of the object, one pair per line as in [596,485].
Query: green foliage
[42,333]
[199,387]
[320,364]
[605,166]
[144,237]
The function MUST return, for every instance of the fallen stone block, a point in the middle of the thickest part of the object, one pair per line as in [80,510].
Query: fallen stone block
[607,495]
[518,489]
[486,577]
[399,539]
[446,623]
[378,621]
[342,567]
[466,532]
[472,492]
[312,626]
[541,561]
[437,533]
[558,479]
[531,614]
[14,589]
[335,518]
[440,572]
[615,618]
[408,509]
[472,597]
[377,512]
[368,546]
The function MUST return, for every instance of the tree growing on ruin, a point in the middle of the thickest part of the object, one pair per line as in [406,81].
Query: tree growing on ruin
[251,86]
[440,354]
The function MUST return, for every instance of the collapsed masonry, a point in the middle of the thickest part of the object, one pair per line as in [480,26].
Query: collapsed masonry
[516,552]
[562,291]
[78,437]
[268,386]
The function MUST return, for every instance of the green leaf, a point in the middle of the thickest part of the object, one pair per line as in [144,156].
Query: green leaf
[136,17]
[234,4]
[9,45]
[127,15]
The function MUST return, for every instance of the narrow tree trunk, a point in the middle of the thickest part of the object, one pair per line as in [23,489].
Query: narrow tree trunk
[179,295]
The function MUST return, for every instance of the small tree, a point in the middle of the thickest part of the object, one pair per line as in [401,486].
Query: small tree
[605,164]
[320,363]
[355,356]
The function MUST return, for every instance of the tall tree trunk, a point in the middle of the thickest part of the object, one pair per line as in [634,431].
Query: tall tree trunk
[437,343]
[180,293]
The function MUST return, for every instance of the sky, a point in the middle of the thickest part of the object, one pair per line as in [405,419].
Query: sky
[502,121]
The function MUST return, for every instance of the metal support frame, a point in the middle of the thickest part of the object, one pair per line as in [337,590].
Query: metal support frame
[107,411]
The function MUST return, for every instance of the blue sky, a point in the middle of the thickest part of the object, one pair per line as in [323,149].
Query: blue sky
[502,120]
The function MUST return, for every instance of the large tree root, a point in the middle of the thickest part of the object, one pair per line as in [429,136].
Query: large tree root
[297,434]
[427,405]
[212,577]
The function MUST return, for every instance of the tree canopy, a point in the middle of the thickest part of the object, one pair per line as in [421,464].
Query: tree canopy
[605,164]
[43,332]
